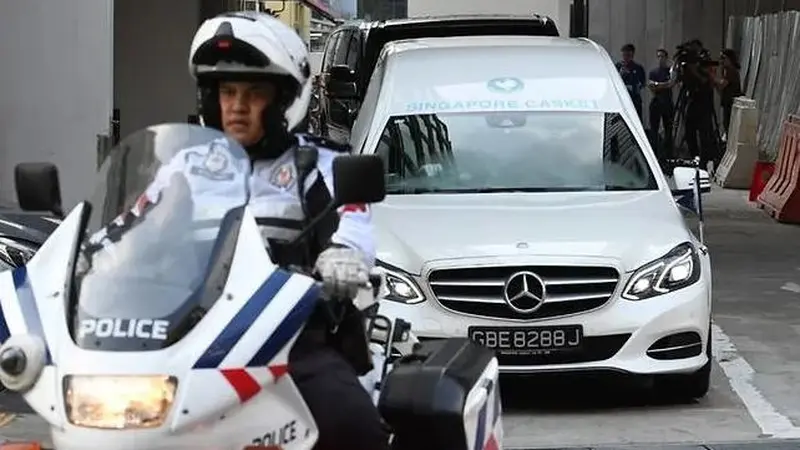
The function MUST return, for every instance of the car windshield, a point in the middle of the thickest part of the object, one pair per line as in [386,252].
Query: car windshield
[148,269]
[539,151]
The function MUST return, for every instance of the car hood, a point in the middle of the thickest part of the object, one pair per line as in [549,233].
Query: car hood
[630,227]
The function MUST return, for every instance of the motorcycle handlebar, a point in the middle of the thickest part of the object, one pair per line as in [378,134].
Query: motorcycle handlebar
[374,282]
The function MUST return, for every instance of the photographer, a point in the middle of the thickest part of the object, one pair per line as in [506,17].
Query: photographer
[729,84]
[662,108]
[693,65]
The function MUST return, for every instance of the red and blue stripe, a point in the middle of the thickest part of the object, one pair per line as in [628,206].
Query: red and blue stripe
[242,382]
[244,319]
[487,424]
[29,309]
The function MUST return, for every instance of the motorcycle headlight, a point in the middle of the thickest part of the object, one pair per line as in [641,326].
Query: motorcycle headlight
[398,287]
[118,402]
[676,270]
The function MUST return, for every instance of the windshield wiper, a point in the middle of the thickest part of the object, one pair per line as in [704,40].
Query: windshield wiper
[528,190]
[510,190]
[412,191]
[617,187]
[488,190]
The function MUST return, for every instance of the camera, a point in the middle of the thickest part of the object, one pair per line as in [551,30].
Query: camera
[688,54]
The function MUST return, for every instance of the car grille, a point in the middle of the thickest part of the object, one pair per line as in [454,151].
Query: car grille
[479,291]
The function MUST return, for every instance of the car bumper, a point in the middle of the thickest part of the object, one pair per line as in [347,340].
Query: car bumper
[617,336]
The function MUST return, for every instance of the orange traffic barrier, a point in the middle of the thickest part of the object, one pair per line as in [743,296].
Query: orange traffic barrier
[762,172]
[781,196]
[20,446]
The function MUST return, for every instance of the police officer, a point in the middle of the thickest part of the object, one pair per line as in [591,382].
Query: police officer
[253,80]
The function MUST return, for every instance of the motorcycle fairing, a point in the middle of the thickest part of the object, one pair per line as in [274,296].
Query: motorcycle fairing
[32,302]
[231,368]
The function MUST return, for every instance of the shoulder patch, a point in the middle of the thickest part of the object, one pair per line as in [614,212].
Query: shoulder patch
[322,142]
[214,164]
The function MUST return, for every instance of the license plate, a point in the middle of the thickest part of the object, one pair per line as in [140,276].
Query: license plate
[528,340]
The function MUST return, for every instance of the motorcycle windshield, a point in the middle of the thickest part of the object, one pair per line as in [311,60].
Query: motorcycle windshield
[165,213]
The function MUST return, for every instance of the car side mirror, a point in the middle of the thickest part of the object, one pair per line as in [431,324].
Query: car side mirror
[38,188]
[682,181]
[342,82]
[358,179]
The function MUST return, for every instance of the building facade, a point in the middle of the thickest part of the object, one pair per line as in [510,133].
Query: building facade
[558,10]
[382,9]
[295,14]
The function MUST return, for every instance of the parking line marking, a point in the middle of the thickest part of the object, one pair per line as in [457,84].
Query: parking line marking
[740,375]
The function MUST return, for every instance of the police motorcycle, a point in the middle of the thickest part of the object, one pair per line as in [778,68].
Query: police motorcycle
[160,321]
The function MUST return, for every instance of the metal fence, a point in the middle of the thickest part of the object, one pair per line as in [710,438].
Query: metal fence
[769,53]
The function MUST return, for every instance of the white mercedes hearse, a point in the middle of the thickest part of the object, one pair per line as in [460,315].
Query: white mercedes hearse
[527,211]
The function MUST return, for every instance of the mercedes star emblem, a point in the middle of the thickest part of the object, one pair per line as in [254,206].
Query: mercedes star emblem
[524,292]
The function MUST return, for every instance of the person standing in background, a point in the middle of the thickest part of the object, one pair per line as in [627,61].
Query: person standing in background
[633,76]
[662,108]
[729,85]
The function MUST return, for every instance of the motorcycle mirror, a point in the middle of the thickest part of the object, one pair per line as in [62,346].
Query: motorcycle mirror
[38,187]
[358,179]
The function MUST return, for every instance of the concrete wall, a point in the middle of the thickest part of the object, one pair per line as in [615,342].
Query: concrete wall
[758,7]
[558,10]
[653,24]
[151,61]
[66,63]
[55,88]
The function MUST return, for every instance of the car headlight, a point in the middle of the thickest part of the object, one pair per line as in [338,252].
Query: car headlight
[398,287]
[118,402]
[676,270]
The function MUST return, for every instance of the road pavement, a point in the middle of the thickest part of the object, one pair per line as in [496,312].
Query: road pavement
[754,400]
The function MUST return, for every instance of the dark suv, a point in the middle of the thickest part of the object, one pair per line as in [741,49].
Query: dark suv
[352,50]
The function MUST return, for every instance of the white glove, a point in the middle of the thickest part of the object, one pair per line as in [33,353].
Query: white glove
[343,271]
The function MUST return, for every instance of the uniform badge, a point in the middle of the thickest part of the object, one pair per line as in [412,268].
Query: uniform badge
[215,164]
[284,176]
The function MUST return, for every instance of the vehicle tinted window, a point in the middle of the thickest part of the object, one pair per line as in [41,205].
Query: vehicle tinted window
[330,48]
[366,116]
[548,151]
[353,50]
[340,54]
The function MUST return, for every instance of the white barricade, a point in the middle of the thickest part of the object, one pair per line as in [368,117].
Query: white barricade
[736,168]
